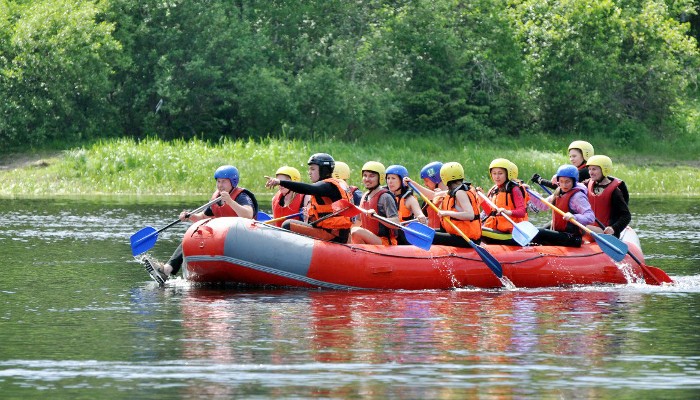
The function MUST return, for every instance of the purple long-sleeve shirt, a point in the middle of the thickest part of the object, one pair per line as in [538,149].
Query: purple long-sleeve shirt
[578,206]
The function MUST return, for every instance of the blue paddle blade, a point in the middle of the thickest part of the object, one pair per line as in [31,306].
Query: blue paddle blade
[143,240]
[488,259]
[261,216]
[612,246]
[524,232]
[419,235]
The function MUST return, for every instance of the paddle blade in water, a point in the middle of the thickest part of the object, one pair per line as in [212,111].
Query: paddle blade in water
[524,232]
[488,259]
[262,216]
[658,274]
[612,246]
[143,240]
[419,235]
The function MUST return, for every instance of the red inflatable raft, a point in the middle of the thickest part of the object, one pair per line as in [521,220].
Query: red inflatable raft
[242,251]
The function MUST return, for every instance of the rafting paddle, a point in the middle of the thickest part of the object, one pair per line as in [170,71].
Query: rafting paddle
[146,238]
[417,234]
[612,246]
[523,232]
[488,259]
[273,220]
[262,216]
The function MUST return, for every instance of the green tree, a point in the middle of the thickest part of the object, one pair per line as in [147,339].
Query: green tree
[602,66]
[56,69]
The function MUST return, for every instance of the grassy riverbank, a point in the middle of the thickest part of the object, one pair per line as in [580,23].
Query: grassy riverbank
[185,168]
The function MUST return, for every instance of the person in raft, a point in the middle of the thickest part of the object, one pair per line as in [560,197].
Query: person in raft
[342,171]
[571,199]
[285,202]
[376,200]
[510,199]
[608,196]
[433,189]
[235,202]
[323,191]
[580,152]
[408,207]
[460,206]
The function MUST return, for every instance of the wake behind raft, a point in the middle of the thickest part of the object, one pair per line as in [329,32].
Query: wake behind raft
[241,251]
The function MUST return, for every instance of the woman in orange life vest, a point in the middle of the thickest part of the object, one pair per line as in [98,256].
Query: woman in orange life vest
[608,197]
[285,202]
[235,202]
[579,152]
[571,199]
[342,171]
[323,190]
[434,189]
[408,207]
[460,206]
[377,200]
[510,199]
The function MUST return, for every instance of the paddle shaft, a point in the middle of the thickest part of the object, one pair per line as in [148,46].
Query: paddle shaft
[272,221]
[325,217]
[389,222]
[196,210]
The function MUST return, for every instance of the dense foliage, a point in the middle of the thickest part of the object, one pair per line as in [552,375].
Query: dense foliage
[81,70]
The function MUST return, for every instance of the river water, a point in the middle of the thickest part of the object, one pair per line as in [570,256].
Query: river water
[79,318]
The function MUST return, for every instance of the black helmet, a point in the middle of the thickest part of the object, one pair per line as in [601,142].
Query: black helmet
[322,159]
[325,163]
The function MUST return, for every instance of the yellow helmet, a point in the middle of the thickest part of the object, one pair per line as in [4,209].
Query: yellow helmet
[451,171]
[585,147]
[291,172]
[377,167]
[604,162]
[511,169]
[513,172]
[341,171]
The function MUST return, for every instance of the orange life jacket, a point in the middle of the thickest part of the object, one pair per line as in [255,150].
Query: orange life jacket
[288,209]
[405,213]
[600,203]
[470,228]
[324,206]
[504,199]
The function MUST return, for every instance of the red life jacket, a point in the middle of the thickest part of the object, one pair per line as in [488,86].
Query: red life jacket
[325,206]
[504,199]
[221,209]
[562,202]
[288,209]
[600,203]
[434,221]
[373,225]
[470,228]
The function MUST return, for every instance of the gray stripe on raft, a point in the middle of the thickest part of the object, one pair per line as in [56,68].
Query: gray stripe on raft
[272,247]
[272,271]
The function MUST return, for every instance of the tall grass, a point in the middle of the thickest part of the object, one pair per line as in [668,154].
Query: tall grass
[186,168]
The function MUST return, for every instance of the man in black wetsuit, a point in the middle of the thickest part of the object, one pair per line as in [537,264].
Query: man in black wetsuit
[324,190]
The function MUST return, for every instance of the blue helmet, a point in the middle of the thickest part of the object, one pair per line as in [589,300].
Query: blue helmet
[227,172]
[568,171]
[432,172]
[399,170]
